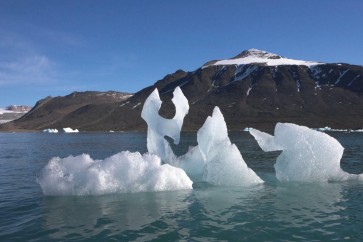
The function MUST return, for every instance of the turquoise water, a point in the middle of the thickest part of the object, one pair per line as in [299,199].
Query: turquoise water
[271,212]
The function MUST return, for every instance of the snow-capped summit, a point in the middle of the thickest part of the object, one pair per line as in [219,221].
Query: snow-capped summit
[261,57]
[257,54]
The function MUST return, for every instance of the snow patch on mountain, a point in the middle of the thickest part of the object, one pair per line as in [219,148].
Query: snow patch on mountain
[351,82]
[341,75]
[242,72]
[255,56]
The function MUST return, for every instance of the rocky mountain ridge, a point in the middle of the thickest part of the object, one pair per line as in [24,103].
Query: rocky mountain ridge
[253,89]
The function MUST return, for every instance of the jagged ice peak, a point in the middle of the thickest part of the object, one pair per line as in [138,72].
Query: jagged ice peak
[261,57]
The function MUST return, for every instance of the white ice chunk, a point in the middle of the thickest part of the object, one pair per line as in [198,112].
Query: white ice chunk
[50,131]
[307,155]
[70,130]
[224,162]
[159,127]
[121,173]
[216,160]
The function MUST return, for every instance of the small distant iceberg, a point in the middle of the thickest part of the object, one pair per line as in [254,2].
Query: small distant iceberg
[325,129]
[65,130]
[334,130]
[50,131]
[338,130]
[70,130]
[247,129]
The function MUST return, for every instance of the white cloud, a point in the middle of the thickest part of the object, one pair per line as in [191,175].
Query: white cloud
[34,69]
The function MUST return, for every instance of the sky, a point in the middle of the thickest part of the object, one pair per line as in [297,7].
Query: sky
[53,48]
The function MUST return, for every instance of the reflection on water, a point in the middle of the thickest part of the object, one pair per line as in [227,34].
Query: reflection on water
[275,210]
[92,216]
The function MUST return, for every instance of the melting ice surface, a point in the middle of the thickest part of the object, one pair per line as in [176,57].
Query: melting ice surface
[120,173]
[307,155]
[214,160]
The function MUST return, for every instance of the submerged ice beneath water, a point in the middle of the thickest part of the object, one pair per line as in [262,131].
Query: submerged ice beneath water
[307,155]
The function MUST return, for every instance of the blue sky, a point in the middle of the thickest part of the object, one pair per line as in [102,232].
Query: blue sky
[60,46]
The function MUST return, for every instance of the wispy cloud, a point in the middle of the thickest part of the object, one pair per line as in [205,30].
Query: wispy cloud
[43,57]
[36,69]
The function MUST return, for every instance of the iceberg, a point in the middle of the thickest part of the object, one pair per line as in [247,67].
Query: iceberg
[121,173]
[307,155]
[70,130]
[50,131]
[214,160]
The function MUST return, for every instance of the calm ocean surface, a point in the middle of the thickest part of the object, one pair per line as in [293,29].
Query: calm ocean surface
[275,211]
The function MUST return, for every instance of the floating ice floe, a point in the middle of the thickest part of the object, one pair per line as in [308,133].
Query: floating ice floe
[70,130]
[120,173]
[50,131]
[307,155]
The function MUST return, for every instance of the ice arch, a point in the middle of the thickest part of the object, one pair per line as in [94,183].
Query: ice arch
[307,155]
[159,127]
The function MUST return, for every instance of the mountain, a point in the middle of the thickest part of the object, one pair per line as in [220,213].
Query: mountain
[253,89]
[71,109]
[12,112]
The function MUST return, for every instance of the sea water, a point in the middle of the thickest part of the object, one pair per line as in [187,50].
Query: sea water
[284,211]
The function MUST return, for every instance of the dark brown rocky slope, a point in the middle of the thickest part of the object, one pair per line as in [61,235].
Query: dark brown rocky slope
[71,110]
[254,94]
